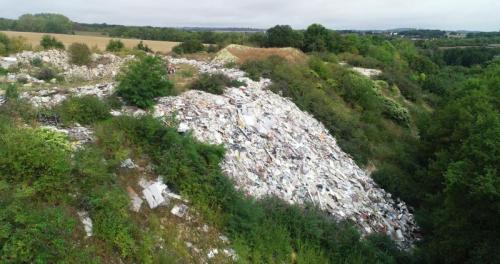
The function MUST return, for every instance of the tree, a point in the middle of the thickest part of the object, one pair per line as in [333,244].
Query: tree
[79,54]
[318,39]
[44,22]
[144,80]
[192,45]
[283,36]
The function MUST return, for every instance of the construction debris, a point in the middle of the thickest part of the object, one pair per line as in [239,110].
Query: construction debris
[180,210]
[154,194]
[274,148]
[86,221]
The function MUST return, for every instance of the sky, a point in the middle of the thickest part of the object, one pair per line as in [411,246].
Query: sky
[481,15]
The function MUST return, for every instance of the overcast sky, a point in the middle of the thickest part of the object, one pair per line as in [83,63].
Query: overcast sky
[335,14]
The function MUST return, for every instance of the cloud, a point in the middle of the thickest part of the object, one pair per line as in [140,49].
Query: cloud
[353,14]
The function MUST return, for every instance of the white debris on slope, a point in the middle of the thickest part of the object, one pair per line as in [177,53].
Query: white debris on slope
[52,97]
[274,148]
[103,65]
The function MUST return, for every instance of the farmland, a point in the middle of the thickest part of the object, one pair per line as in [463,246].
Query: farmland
[101,42]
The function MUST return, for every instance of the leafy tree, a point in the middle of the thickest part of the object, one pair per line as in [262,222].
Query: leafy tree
[44,22]
[144,80]
[318,39]
[115,45]
[283,36]
[79,54]
[189,46]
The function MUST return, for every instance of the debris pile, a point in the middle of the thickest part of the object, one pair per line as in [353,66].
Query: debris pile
[273,148]
[54,96]
[103,65]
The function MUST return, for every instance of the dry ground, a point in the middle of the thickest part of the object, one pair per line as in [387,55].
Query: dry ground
[244,53]
[101,42]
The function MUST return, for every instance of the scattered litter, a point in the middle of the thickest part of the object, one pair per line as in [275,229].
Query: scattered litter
[129,164]
[154,194]
[135,199]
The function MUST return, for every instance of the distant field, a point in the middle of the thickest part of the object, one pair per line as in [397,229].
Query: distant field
[100,42]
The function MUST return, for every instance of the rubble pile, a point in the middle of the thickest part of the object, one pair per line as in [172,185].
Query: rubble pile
[54,96]
[102,66]
[273,148]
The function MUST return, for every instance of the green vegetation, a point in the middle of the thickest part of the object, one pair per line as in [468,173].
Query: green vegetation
[84,110]
[268,231]
[144,80]
[115,45]
[12,45]
[214,83]
[143,47]
[50,42]
[44,22]
[283,36]
[79,54]
[189,46]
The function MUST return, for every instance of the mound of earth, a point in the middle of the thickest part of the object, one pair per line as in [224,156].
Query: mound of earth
[239,54]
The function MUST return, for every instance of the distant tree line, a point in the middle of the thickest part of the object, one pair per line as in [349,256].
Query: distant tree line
[44,22]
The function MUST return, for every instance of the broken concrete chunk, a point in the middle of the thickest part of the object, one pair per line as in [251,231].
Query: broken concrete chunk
[180,210]
[86,221]
[183,128]
[154,194]
[129,164]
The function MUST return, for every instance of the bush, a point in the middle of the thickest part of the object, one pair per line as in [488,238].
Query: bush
[192,45]
[115,45]
[46,74]
[11,92]
[50,42]
[5,47]
[84,110]
[144,80]
[79,54]
[37,62]
[143,47]
[3,71]
[214,83]
[34,158]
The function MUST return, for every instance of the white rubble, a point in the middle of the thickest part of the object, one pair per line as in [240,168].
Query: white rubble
[154,194]
[212,253]
[180,210]
[274,148]
[128,164]
[7,62]
[86,221]
[77,134]
[103,65]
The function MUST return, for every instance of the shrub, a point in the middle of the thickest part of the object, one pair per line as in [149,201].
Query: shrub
[115,45]
[3,71]
[11,92]
[50,42]
[144,80]
[35,159]
[192,45]
[37,62]
[79,54]
[84,110]
[46,74]
[214,83]
[143,47]
[5,47]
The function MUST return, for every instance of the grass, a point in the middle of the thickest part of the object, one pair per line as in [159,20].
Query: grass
[91,40]
[184,76]
[245,53]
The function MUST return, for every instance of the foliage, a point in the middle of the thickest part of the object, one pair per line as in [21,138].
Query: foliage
[50,42]
[318,39]
[144,80]
[28,159]
[214,83]
[268,231]
[44,22]
[45,73]
[115,45]
[283,36]
[189,46]
[469,56]
[84,110]
[11,92]
[143,47]
[79,54]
